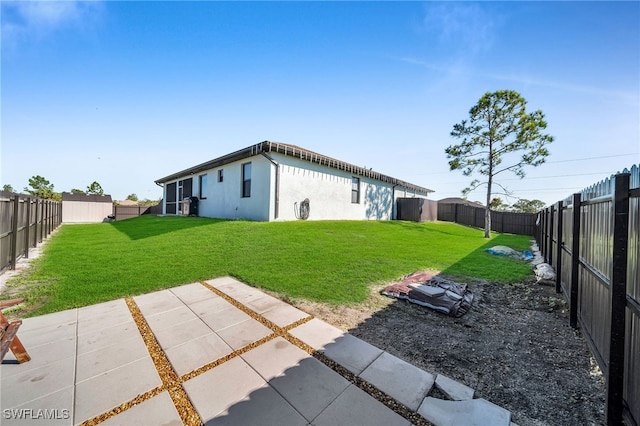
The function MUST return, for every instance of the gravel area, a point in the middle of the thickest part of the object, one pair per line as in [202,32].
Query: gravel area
[514,347]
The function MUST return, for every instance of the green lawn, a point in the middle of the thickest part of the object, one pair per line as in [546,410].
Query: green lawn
[328,261]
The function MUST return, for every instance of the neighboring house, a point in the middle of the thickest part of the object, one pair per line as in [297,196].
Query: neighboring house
[127,203]
[458,200]
[82,208]
[276,181]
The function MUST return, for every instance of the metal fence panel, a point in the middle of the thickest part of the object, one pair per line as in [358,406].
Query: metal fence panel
[507,222]
[596,278]
[35,220]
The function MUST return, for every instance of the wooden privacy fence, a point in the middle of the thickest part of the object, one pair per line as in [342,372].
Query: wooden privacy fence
[507,222]
[24,222]
[592,239]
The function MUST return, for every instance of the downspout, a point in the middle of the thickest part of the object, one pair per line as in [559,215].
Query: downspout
[277,191]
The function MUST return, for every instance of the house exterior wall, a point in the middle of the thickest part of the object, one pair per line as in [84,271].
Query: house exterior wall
[85,212]
[329,192]
[224,199]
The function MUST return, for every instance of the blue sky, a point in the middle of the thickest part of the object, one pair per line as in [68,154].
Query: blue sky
[124,93]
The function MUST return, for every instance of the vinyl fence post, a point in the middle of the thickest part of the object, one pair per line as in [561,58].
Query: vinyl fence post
[14,232]
[575,262]
[615,372]
[559,251]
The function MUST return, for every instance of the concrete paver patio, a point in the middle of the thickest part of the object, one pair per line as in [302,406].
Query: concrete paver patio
[239,356]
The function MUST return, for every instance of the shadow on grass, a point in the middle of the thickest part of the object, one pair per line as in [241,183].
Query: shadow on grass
[475,263]
[141,227]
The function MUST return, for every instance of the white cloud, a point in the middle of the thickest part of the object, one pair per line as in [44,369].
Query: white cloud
[466,27]
[37,19]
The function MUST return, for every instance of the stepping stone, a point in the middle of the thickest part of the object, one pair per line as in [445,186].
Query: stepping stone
[474,412]
[399,379]
[352,353]
[455,391]
[317,333]
[356,407]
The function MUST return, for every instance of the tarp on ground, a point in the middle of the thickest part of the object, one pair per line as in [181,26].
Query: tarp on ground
[432,291]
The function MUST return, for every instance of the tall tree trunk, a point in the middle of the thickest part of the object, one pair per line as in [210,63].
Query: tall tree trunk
[487,210]
[487,213]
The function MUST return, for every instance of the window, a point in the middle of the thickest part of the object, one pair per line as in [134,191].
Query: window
[246,180]
[220,176]
[355,190]
[203,187]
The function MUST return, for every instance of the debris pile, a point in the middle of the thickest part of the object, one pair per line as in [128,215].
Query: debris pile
[437,293]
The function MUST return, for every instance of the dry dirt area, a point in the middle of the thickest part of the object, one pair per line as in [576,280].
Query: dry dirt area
[514,347]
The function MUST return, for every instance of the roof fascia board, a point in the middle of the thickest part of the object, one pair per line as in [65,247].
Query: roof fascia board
[295,152]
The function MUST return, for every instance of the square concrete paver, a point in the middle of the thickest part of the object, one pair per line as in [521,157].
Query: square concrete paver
[263,303]
[306,383]
[284,314]
[355,407]
[18,389]
[245,398]
[159,301]
[49,320]
[352,353]
[240,335]
[59,406]
[121,352]
[399,379]
[316,333]
[103,315]
[273,357]
[170,318]
[472,412]
[309,386]
[192,293]
[239,291]
[197,353]
[158,410]
[41,356]
[181,333]
[211,306]
[224,317]
[105,337]
[45,335]
[108,390]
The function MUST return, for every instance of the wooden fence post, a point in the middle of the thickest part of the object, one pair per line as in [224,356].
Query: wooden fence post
[618,288]
[575,262]
[14,232]
[559,251]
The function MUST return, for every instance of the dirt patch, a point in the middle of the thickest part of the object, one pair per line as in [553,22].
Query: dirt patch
[514,347]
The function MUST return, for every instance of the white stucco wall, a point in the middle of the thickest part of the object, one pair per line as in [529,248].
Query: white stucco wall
[329,192]
[224,199]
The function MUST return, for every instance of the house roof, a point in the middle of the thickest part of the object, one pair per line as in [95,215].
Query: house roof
[458,200]
[127,203]
[296,152]
[68,196]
